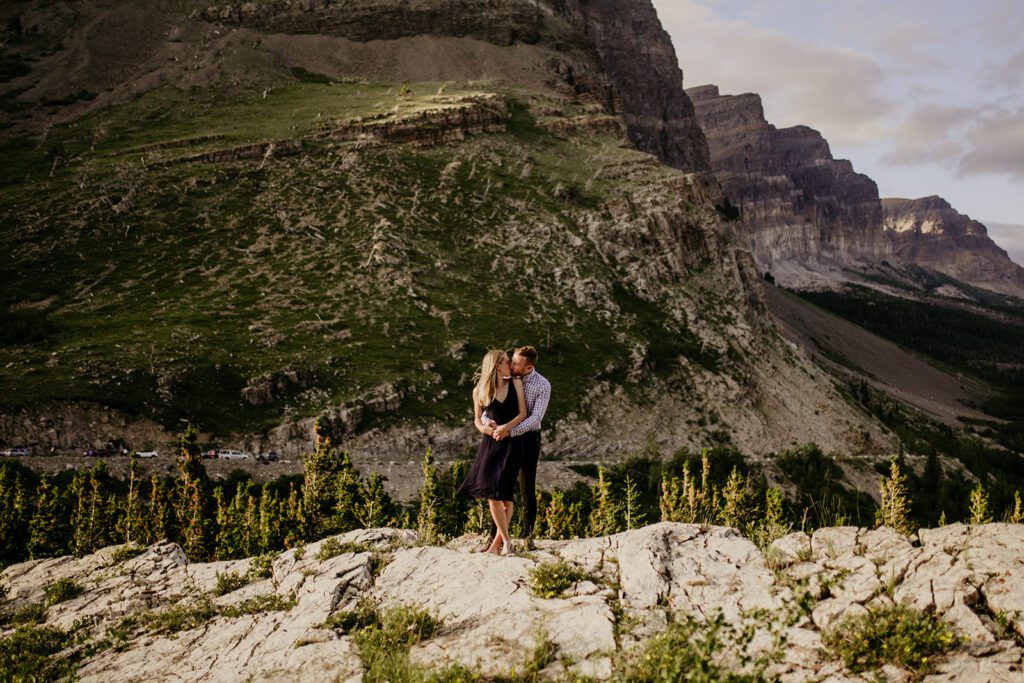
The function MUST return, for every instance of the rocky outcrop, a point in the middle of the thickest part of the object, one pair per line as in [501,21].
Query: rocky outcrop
[496,21]
[491,622]
[804,211]
[636,73]
[638,56]
[799,204]
[931,233]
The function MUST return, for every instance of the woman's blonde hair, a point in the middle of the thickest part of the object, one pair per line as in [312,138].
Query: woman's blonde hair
[486,377]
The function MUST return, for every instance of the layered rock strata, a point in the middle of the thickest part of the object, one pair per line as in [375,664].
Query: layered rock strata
[639,58]
[637,74]
[490,621]
[799,204]
[931,233]
[804,211]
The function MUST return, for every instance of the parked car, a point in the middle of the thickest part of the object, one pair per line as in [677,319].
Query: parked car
[16,452]
[272,456]
[229,454]
[146,454]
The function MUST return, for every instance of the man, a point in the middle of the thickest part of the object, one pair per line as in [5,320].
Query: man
[537,392]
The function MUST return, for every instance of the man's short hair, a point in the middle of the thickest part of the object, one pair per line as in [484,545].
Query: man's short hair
[529,353]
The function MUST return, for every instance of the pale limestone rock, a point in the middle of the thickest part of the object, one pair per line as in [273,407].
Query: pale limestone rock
[833,542]
[795,547]
[491,622]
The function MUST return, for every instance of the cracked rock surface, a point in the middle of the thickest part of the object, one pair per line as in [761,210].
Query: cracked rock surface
[637,581]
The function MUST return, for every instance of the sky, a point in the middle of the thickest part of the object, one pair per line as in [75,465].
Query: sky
[924,96]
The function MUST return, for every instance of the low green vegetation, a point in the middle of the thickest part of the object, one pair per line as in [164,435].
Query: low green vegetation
[258,604]
[229,582]
[61,591]
[896,635]
[706,650]
[180,617]
[551,579]
[384,638]
[332,547]
[33,613]
[127,552]
[31,653]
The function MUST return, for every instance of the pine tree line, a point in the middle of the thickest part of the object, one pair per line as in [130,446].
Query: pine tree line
[61,516]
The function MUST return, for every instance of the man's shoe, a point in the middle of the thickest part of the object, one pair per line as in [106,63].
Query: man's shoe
[529,544]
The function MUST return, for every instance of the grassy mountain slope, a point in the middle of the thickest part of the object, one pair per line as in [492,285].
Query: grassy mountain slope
[244,242]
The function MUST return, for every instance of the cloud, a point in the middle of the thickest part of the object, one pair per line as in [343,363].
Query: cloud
[1009,74]
[996,145]
[838,91]
[929,134]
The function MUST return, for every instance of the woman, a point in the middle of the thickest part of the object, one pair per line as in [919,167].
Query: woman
[496,401]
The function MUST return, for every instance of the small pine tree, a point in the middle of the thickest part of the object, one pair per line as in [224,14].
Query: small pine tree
[132,528]
[426,519]
[557,520]
[1017,516]
[48,534]
[15,514]
[295,529]
[375,508]
[895,505]
[320,485]
[672,500]
[740,508]
[605,516]
[271,536]
[194,506]
[347,496]
[159,524]
[633,515]
[980,511]
[773,525]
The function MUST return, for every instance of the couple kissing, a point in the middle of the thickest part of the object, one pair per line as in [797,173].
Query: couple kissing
[509,401]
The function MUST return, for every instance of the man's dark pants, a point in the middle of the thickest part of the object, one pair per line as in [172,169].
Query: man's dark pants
[527,482]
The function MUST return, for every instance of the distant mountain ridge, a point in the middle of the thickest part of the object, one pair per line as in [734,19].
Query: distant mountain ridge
[808,217]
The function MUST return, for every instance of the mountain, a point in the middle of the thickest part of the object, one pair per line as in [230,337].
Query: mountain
[811,220]
[929,232]
[802,209]
[248,216]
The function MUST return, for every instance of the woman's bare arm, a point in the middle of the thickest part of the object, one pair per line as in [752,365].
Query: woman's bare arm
[478,412]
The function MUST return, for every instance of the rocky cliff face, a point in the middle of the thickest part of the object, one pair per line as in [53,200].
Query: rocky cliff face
[640,60]
[158,616]
[931,233]
[800,206]
[805,213]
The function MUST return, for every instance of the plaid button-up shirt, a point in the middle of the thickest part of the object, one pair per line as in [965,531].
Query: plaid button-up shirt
[537,392]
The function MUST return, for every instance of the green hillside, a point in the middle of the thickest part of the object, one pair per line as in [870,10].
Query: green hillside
[140,275]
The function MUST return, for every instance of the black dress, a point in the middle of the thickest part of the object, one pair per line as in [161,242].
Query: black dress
[496,467]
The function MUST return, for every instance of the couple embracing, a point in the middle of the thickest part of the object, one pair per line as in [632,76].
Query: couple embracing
[509,402]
